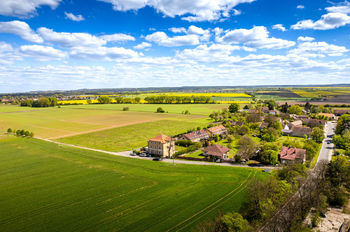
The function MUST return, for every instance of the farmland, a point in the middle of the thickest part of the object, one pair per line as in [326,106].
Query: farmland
[48,187]
[69,121]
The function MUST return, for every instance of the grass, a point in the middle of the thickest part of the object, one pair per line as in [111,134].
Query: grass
[196,154]
[133,136]
[65,121]
[47,187]
[195,109]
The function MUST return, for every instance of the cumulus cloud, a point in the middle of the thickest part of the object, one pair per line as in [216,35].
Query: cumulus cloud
[118,37]
[76,18]
[318,49]
[305,38]
[204,34]
[24,8]
[109,53]
[21,29]
[257,37]
[178,30]
[337,16]
[300,7]
[41,52]
[66,39]
[143,45]
[163,39]
[198,10]
[279,27]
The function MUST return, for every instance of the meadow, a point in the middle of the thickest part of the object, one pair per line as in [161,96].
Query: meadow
[48,187]
[134,136]
[72,120]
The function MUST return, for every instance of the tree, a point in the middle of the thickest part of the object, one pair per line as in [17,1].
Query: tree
[137,100]
[52,101]
[125,108]
[295,109]
[234,222]
[104,100]
[247,147]
[9,130]
[246,107]
[31,134]
[234,108]
[343,124]
[284,108]
[160,110]
[317,134]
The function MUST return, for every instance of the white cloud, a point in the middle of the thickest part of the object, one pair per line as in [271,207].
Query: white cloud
[279,27]
[24,8]
[318,49]
[119,37]
[305,38]
[300,7]
[162,39]
[109,53]
[257,37]
[142,45]
[199,10]
[21,29]
[42,52]
[337,16]
[66,39]
[327,21]
[178,29]
[76,18]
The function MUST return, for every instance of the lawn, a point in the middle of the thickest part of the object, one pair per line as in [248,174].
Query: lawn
[47,187]
[133,136]
[69,121]
[194,109]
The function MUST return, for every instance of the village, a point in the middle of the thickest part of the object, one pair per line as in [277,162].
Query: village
[263,136]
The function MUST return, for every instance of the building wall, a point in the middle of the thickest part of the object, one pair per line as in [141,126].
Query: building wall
[161,149]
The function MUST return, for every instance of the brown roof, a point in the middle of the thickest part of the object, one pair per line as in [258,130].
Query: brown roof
[161,138]
[301,131]
[292,153]
[216,129]
[197,134]
[216,150]
[315,121]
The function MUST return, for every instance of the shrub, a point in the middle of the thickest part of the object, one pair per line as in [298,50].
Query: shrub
[9,130]
[160,110]
[184,143]
[126,109]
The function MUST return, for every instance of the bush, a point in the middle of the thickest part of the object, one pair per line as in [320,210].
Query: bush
[126,109]
[160,110]
[9,130]
[184,143]
[193,147]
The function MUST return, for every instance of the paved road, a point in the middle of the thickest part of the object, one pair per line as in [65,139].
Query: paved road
[327,149]
[127,154]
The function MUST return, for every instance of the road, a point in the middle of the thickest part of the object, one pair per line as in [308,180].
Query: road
[327,149]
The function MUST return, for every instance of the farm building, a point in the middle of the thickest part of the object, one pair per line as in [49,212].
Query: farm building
[161,145]
[292,155]
[196,136]
[300,131]
[215,152]
[217,130]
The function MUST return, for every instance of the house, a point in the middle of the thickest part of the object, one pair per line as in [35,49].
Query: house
[341,112]
[314,122]
[263,125]
[329,115]
[300,131]
[234,123]
[292,155]
[295,123]
[265,110]
[161,145]
[215,152]
[197,136]
[301,117]
[217,130]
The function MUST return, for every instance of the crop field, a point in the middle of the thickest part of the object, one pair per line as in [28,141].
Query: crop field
[134,136]
[321,92]
[194,109]
[48,187]
[66,121]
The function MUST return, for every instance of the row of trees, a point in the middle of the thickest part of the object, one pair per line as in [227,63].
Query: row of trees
[41,102]
[22,132]
[166,99]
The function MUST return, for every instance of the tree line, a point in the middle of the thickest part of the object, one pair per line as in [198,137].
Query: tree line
[41,102]
[164,99]
[21,132]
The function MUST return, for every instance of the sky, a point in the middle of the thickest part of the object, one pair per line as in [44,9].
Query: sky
[75,44]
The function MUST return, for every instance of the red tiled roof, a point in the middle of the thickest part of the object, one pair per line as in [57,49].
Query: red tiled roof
[216,150]
[161,138]
[216,129]
[292,153]
[197,134]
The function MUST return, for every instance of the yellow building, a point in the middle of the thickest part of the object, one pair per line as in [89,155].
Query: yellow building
[161,145]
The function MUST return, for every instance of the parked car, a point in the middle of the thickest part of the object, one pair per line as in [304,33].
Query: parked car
[143,155]
[157,159]
[148,155]
[132,153]
[218,161]
[329,142]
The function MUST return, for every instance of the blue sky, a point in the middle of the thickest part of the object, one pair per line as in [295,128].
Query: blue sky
[71,44]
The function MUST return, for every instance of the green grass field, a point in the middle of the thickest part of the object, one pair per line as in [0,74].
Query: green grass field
[133,136]
[195,109]
[69,121]
[48,187]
